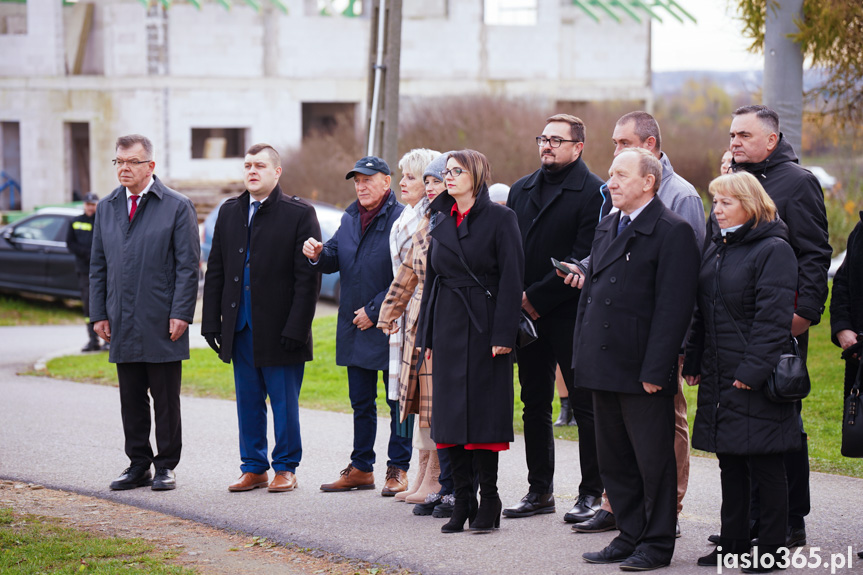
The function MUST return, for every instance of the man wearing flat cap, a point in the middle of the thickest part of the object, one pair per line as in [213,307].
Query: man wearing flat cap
[360,252]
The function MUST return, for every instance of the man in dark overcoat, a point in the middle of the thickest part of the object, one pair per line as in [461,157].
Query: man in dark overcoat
[259,303]
[79,241]
[634,311]
[760,148]
[143,288]
[557,208]
[360,252]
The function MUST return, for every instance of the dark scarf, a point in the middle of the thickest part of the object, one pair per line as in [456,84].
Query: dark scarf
[366,216]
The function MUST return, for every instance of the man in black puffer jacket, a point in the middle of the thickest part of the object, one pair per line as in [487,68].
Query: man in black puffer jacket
[760,149]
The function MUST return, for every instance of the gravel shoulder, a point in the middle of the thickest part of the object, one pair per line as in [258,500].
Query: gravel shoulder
[205,549]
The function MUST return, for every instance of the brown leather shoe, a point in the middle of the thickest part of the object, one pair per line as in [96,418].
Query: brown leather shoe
[351,478]
[249,481]
[283,481]
[397,481]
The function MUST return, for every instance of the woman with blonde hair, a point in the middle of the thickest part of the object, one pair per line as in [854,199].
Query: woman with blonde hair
[398,318]
[413,196]
[746,297]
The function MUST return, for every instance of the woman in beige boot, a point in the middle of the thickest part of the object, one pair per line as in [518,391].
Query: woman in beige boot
[404,297]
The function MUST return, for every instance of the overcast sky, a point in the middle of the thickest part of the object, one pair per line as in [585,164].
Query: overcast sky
[715,43]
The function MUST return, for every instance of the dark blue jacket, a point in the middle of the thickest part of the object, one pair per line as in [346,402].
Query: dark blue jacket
[365,272]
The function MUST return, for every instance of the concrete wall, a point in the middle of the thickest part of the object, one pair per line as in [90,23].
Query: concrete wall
[242,69]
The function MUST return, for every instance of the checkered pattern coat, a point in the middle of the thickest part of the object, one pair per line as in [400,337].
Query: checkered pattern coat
[400,244]
[403,298]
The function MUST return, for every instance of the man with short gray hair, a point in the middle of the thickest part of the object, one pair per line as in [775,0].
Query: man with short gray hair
[143,289]
[633,314]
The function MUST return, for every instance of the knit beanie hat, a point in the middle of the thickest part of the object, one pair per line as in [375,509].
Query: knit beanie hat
[436,166]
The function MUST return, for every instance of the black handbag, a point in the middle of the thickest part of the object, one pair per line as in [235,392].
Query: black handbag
[526,328]
[789,381]
[852,416]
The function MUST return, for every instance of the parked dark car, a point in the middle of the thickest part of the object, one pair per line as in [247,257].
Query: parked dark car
[33,254]
[329,216]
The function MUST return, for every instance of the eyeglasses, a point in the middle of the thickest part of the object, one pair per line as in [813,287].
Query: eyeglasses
[454,172]
[553,142]
[131,163]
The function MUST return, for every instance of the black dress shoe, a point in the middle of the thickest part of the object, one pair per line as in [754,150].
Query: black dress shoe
[132,477]
[92,346]
[714,538]
[610,554]
[794,537]
[602,521]
[531,504]
[709,560]
[585,507]
[640,561]
[165,480]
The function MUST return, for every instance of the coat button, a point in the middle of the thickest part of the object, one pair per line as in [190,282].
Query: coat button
[603,347]
[606,325]
[589,299]
[595,279]
[607,301]
[233,304]
[236,278]
[612,279]
[241,250]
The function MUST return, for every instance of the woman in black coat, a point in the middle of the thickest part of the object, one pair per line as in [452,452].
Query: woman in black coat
[846,303]
[846,306]
[746,297]
[471,333]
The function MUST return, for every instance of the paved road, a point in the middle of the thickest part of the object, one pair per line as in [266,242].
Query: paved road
[68,436]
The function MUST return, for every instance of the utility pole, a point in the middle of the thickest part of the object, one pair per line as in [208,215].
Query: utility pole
[783,68]
[383,95]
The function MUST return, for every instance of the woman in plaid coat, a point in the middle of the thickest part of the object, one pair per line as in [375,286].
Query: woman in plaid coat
[401,309]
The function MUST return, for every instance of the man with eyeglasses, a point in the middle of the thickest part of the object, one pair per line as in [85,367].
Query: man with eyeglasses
[143,288]
[558,209]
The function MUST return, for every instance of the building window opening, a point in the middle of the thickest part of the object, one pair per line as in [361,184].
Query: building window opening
[510,12]
[218,143]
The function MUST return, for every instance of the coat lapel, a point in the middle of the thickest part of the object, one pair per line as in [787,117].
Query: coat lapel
[118,204]
[610,248]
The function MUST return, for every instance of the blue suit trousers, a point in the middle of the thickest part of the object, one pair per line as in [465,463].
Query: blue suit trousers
[253,385]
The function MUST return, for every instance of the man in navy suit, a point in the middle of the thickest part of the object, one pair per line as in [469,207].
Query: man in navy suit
[259,302]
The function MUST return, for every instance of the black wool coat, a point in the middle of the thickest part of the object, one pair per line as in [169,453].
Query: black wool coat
[637,303]
[562,229]
[756,272]
[472,391]
[846,303]
[284,287]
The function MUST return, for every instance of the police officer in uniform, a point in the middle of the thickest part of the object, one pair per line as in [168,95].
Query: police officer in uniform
[79,239]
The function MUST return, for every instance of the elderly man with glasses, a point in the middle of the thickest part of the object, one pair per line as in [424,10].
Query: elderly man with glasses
[143,288]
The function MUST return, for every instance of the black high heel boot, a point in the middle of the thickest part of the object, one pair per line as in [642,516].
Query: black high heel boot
[465,507]
[488,515]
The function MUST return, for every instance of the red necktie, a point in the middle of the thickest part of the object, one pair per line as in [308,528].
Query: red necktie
[134,207]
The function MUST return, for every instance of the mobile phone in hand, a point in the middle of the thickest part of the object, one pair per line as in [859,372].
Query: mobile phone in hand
[565,269]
